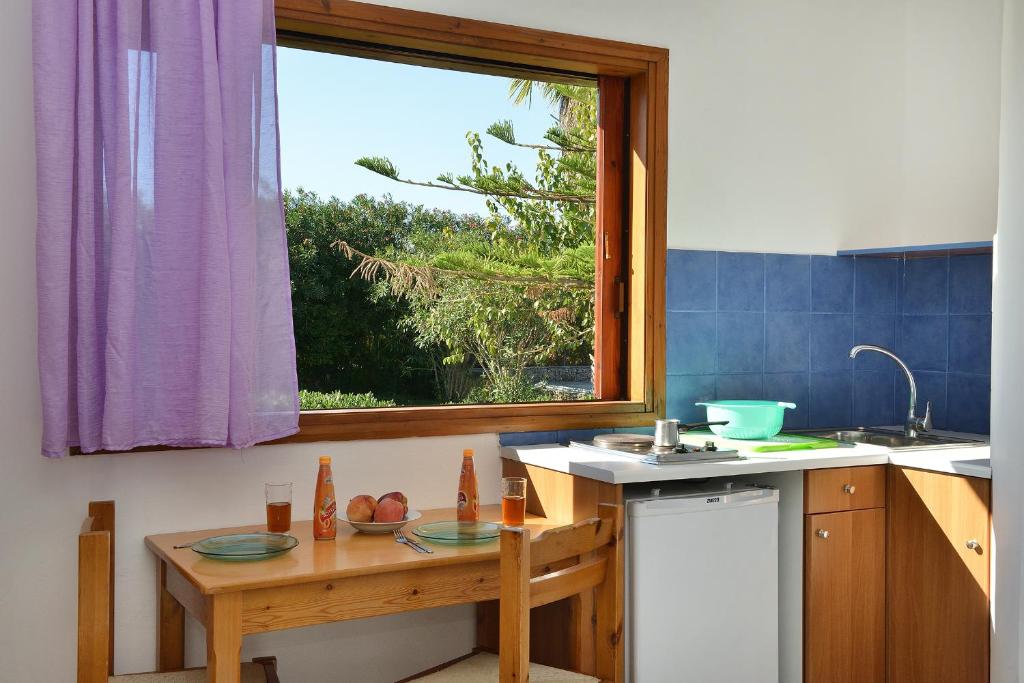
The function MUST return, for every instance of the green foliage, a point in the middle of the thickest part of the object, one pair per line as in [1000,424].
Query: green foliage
[335,400]
[519,389]
[348,338]
[477,257]
[519,290]
[503,327]
[508,389]
[504,131]
[379,165]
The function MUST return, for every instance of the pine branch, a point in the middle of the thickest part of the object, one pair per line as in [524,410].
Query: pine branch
[504,131]
[381,165]
[484,185]
[569,142]
[408,277]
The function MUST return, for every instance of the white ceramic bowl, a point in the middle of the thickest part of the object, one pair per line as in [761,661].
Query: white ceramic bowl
[384,527]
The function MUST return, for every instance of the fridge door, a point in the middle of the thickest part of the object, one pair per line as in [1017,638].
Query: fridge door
[703,588]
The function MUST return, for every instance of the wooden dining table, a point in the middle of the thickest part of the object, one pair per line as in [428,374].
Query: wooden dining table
[356,575]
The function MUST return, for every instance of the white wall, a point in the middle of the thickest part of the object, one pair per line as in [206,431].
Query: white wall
[789,132]
[1008,366]
[951,122]
[807,126]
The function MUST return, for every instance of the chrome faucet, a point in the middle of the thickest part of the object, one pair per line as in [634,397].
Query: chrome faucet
[914,423]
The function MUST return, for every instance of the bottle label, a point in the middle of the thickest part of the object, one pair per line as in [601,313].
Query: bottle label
[463,501]
[327,511]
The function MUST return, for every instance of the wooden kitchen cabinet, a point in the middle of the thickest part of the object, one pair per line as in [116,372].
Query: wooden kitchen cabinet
[844,575]
[844,597]
[938,569]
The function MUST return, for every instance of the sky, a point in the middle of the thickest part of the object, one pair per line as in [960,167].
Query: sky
[335,109]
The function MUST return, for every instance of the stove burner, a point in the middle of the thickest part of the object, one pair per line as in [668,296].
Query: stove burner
[641,447]
[633,442]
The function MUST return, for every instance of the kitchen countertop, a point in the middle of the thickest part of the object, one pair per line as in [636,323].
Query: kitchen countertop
[965,460]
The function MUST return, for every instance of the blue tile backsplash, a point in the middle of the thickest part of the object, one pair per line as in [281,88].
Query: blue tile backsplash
[740,282]
[787,283]
[780,327]
[832,281]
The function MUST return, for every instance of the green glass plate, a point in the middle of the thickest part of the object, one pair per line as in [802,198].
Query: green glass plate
[458,533]
[245,547]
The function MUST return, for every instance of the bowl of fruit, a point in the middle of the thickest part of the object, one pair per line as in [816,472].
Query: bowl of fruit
[379,515]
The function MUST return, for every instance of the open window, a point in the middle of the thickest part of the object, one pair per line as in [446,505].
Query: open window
[561,265]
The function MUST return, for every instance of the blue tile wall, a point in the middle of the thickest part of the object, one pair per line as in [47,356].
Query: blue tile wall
[787,284]
[832,284]
[780,326]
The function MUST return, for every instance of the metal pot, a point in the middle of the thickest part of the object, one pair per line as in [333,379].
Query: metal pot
[666,432]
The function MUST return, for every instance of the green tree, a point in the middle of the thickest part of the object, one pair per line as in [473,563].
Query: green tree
[345,332]
[519,291]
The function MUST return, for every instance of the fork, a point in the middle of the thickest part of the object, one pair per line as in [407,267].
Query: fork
[400,538]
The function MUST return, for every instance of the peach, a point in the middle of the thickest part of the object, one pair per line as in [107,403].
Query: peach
[395,495]
[361,508]
[389,510]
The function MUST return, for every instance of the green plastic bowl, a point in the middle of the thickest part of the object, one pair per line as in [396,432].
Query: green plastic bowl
[747,419]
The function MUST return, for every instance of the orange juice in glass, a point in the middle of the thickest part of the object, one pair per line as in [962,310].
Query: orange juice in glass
[279,507]
[513,501]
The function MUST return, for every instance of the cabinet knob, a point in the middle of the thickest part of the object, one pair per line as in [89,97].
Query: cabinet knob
[975,546]
[849,488]
[822,533]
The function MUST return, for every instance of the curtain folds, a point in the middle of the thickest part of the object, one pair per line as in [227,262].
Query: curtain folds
[162,265]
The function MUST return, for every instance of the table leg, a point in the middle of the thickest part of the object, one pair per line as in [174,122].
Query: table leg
[224,638]
[170,630]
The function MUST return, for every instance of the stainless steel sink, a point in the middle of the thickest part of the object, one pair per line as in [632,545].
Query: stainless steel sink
[889,439]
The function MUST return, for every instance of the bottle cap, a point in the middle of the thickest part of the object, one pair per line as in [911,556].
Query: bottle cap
[325,460]
[467,453]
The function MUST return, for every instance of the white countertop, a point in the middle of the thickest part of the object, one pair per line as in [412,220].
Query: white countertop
[970,461]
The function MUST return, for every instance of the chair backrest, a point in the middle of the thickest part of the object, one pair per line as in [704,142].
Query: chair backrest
[96,594]
[532,574]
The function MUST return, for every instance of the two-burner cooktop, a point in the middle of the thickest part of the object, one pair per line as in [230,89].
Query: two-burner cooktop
[641,447]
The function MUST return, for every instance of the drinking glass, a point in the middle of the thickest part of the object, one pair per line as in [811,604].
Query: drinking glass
[279,507]
[513,501]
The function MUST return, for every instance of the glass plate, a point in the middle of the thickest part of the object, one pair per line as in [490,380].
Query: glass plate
[458,533]
[245,547]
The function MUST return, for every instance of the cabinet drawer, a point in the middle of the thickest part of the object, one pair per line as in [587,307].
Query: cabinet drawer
[844,488]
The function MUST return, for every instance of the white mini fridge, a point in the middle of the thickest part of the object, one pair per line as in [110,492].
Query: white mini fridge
[702,591]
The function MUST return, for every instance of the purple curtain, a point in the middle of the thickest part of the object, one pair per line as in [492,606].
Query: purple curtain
[164,293]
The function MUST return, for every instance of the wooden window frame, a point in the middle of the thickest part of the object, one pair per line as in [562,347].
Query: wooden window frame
[631,207]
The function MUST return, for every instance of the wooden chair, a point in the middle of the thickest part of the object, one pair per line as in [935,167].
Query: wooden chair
[527,582]
[96,613]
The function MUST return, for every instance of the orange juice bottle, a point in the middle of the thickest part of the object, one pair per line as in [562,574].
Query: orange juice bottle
[325,507]
[468,507]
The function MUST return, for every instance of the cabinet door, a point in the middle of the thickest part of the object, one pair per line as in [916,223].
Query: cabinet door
[844,597]
[938,577]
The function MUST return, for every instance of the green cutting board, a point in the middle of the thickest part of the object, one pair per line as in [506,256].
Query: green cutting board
[795,442]
[776,444]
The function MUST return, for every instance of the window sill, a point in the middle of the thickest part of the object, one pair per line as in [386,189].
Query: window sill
[396,423]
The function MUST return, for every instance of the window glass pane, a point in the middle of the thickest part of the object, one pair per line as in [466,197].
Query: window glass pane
[441,233]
